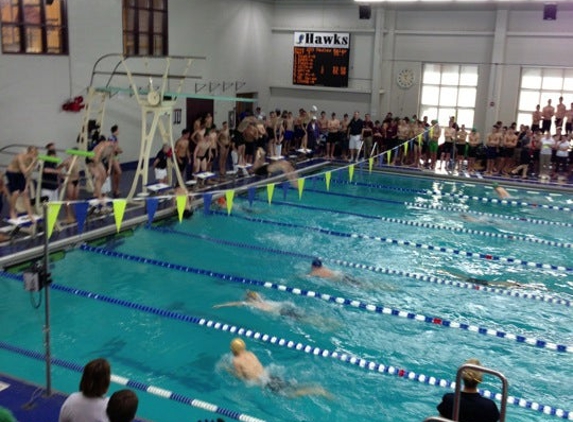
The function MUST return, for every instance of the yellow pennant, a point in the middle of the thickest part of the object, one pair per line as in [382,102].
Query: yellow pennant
[300,187]
[351,172]
[53,211]
[406,148]
[270,192]
[229,195]
[181,201]
[389,155]
[118,210]
[370,164]
[420,140]
[327,177]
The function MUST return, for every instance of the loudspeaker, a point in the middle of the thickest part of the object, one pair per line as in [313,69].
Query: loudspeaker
[364,12]
[550,12]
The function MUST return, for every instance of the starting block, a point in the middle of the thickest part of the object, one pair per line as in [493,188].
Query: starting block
[22,223]
[157,187]
[204,175]
[304,151]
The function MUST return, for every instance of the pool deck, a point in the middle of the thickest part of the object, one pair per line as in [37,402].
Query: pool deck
[27,402]
[17,395]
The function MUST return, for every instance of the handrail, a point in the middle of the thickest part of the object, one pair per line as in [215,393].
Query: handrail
[458,393]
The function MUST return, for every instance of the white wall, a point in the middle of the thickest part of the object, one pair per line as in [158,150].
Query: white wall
[251,41]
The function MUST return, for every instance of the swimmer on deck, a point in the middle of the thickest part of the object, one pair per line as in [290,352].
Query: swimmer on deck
[255,300]
[247,367]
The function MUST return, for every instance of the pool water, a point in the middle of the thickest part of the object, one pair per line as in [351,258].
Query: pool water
[374,221]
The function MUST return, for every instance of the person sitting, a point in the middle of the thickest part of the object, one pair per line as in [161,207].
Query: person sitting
[247,367]
[122,406]
[473,407]
[90,403]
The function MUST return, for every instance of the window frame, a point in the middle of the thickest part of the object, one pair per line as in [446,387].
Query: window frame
[20,25]
[441,86]
[543,94]
[136,7]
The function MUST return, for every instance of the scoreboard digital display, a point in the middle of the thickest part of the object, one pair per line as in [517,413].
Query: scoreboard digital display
[321,59]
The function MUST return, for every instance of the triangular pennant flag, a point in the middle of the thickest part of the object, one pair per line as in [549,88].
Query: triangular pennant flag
[53,211]
[327,177]
[181,201]
[207,200]
[285,189]
[118,210]
[351,172]
[380,160]
[389,156]
[251,195]
[420,140]
[370,164]
[361,166]
[300,188]
[81,212]
[406,148]
[151,209]
[270,191]
[229,195]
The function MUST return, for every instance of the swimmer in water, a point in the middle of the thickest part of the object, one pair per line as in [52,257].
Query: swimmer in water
[501,192]
[317,269]
[255,300]
[481,282]
[247,367]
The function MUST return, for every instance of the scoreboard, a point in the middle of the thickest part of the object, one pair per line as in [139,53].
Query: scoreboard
[321,59]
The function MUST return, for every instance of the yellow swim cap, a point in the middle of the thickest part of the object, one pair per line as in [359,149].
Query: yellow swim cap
[238,346]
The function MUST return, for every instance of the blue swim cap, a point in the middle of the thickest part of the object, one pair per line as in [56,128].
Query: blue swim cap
[317,263]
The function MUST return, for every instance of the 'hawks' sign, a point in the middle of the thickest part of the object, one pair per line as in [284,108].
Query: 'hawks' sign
[322,39]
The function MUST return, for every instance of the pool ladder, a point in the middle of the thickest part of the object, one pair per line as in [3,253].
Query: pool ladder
[458,393]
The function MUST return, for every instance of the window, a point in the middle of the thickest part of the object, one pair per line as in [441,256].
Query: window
[449,90]
[34,26]
[145,27]
[539,85]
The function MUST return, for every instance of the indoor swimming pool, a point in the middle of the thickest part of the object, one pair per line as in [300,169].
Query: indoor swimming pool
[429,274]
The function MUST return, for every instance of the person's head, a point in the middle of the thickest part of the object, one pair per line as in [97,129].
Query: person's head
[122,406]
[356,114]
[238,346]
[472,377]
[316,263]
[95,378]
[51,147]
[114,129]
[32,150]
[253,296]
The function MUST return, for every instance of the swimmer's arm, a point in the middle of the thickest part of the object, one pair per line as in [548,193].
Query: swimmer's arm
[229,304]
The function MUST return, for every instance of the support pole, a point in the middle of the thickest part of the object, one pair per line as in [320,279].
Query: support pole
[45,280]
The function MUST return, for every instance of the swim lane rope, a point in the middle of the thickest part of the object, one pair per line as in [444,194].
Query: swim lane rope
[487,214]
[380,270]
[338,300]
[117,379]
[452,195]
[301,347]
[431,225]
[452,251]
